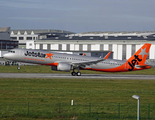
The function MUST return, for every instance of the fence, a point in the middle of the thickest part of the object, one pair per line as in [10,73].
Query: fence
[88,111]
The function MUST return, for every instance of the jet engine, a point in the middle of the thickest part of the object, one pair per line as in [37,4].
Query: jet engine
[62,67]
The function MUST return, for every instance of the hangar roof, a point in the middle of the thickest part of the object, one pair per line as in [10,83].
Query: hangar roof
[39,31]
[142,36]
[119,32]
[4,29]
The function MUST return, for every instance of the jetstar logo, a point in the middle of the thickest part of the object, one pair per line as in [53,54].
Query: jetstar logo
[48,55]
[137,59]
[35,54]
[134,62]
[38,54]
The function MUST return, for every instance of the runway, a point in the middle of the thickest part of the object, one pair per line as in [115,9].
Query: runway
[83,76]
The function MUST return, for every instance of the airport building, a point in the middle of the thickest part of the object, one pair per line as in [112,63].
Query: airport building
[35,34]
[98,44]
[5,42]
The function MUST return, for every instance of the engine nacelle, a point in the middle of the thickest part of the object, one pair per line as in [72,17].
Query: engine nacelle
[62,67]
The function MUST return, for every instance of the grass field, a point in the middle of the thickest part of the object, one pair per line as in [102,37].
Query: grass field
[50,99]
[47,69]
[31,99]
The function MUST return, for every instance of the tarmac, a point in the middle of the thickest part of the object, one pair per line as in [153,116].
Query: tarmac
[83,76]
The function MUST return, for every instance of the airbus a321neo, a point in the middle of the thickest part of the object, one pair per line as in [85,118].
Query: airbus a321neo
[67,62]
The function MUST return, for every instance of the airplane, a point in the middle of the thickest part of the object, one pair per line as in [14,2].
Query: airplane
[68,62]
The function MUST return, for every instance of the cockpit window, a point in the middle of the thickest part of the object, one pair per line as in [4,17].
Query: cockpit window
[12,51]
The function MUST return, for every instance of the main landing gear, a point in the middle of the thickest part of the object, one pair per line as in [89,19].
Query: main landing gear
[76,73]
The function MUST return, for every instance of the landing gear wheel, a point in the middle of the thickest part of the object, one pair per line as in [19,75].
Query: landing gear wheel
[73,73]
[78,73]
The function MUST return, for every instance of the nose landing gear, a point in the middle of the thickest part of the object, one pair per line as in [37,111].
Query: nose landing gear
[18,67]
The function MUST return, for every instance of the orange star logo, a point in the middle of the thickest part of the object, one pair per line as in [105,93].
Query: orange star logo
[49,55]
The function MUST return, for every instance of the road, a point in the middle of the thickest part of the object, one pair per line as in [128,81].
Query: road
[84,76]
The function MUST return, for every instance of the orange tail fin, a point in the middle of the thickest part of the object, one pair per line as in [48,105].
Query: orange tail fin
[139,57]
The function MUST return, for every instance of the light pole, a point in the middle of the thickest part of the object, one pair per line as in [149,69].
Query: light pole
[138,98]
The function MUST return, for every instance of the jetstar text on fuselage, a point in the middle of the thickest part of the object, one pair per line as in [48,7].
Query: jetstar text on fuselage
[35,54]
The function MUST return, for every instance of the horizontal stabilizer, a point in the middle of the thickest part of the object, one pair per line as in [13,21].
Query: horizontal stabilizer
[142,66]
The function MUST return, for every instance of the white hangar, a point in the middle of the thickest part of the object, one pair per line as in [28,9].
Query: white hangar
[122,44]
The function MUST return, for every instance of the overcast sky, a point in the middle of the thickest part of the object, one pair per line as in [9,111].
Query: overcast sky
[79,15]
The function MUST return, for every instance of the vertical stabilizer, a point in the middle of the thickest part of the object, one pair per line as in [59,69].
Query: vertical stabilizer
[139,57]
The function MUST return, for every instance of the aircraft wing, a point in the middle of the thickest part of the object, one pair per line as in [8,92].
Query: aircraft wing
[85,63]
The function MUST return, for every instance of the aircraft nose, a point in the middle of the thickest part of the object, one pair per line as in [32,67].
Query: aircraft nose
[6,55]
